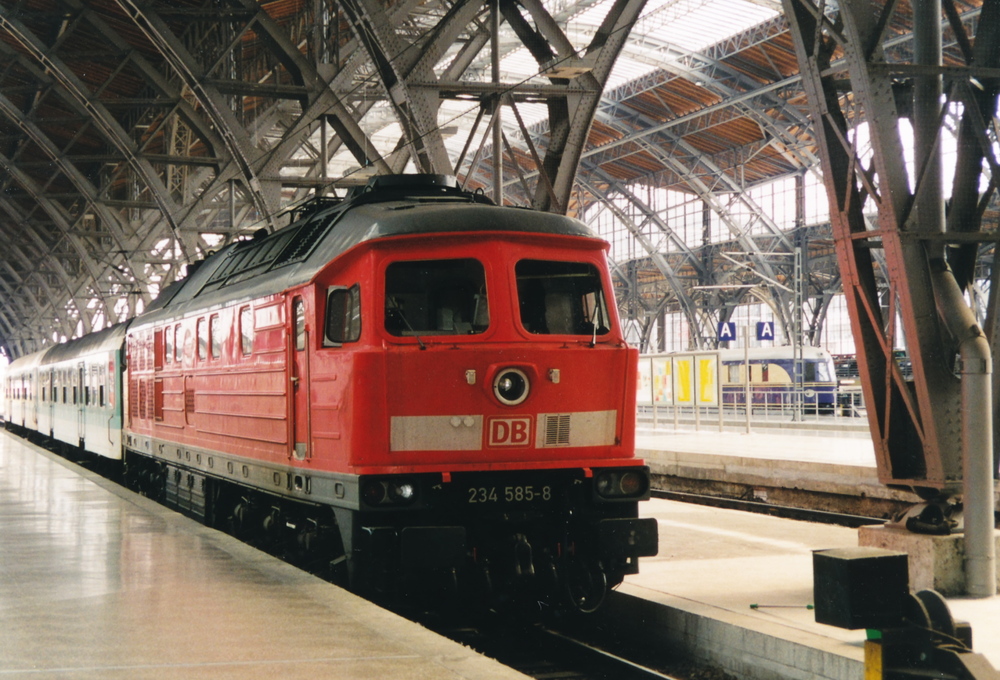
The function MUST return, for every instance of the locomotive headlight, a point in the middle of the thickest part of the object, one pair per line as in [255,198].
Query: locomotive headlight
[373,492]
[388,492]
[511,386]
[621,484]
[402,492]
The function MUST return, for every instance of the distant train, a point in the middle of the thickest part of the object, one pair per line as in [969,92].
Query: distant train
[409,387]
[773,378]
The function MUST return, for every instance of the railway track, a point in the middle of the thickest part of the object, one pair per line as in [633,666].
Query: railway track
[547,652]
[806,514]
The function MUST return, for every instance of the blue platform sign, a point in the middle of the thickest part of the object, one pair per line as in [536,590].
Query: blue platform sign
[765,330]
[727,331]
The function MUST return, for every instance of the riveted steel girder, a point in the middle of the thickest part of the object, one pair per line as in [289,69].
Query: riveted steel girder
[397,62]
[915,423]
[570,117]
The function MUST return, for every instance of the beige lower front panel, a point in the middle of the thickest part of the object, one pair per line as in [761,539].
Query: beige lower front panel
[465,432]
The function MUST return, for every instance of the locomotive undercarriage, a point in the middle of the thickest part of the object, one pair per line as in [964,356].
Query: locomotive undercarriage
[565,555]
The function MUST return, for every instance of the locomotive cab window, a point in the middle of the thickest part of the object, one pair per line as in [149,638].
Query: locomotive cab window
[561,298]
[343,315]
[436,297]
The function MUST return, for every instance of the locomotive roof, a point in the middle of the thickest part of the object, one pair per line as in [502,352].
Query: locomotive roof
[388,206]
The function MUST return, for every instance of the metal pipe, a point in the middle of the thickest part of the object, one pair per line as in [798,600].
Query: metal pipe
[977,433]
[976,370]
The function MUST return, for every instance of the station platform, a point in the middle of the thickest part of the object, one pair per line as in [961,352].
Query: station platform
[808,459]
[695,597]
[97,582]
[714,563]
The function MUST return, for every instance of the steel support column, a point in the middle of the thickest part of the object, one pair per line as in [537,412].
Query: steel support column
[927,428]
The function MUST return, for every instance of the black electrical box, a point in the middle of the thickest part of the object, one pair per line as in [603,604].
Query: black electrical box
[860,587]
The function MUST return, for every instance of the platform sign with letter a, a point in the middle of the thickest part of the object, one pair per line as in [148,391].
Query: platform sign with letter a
[765,330]
[727,331]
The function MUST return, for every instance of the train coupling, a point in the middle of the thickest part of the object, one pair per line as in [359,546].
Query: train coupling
[628,537]
[432,548]
[524,563]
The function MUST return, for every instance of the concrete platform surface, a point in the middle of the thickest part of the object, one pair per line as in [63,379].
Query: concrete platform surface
[713,564]
[815,462]
[808,446]
[96,582]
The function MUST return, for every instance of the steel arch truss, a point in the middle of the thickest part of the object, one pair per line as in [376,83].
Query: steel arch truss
[930,256]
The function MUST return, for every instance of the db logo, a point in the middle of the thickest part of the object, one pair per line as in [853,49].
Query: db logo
[509,431]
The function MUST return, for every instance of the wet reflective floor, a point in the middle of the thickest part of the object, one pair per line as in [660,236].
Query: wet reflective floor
[96,582]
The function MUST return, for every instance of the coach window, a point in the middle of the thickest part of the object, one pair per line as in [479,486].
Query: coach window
[299,312]
[561,298]
[168,344]
[734,373]
[216,336]
[436,297]
[343,315]
[246,331]
[202,339]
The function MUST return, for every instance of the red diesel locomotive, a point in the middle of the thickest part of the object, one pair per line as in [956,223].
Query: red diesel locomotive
[411,387]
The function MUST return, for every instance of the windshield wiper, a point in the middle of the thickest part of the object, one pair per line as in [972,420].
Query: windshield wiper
[402,316]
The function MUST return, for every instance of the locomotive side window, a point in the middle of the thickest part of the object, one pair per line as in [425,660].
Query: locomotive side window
[216,335]
[299,312]
[343,315]
[246,331]
[202,339]
[436,297]
[561,298]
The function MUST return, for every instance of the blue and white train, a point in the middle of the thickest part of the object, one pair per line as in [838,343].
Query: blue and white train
[772,377]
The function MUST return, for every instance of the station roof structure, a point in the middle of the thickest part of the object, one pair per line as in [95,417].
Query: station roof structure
[138,135]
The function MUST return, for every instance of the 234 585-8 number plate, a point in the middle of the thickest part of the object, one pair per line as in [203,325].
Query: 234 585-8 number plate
[510,494]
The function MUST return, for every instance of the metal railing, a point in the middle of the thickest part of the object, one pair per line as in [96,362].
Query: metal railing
[766,409]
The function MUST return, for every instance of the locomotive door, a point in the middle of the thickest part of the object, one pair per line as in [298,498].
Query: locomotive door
[80,400]
[299,378]
[50,402]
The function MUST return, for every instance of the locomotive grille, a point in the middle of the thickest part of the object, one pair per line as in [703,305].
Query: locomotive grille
[133,397]
[142,399]
[557,429]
